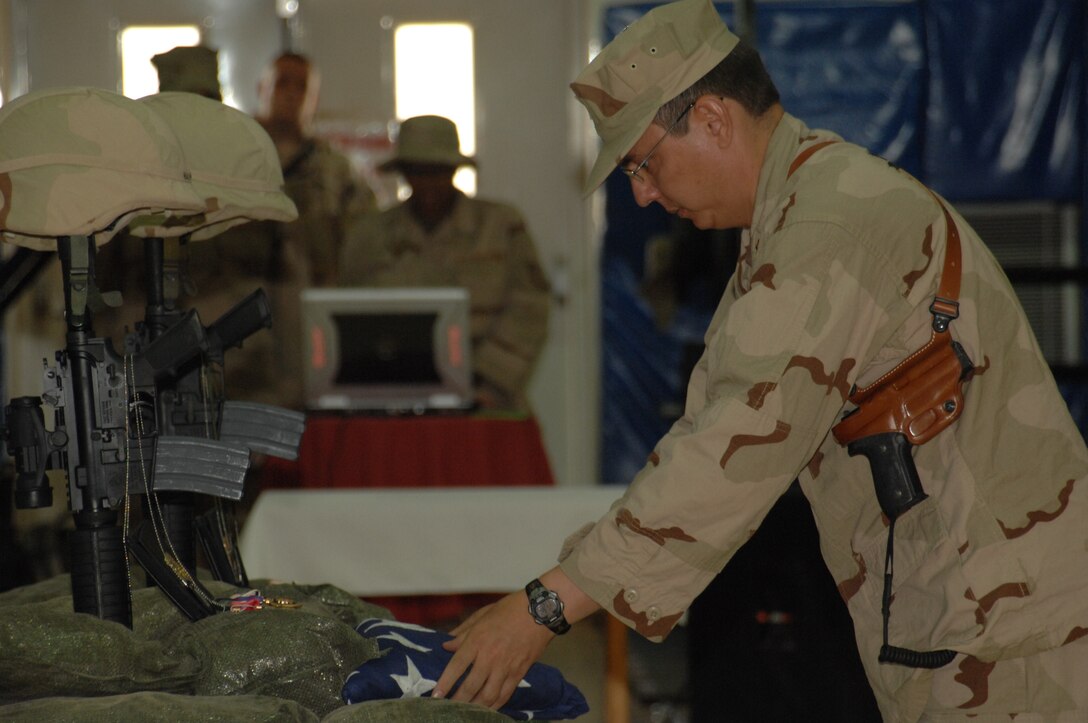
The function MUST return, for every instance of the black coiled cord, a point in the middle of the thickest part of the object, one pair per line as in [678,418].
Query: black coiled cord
[904,656]
[915,658]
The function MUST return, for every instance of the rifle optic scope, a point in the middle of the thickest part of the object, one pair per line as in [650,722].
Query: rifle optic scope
[28,443]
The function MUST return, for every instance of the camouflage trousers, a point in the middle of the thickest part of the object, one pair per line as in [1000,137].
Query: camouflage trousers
[1050,687]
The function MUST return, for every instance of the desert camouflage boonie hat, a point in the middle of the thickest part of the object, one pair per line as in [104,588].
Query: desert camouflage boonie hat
[428,140]
[645,66]
[82,162]
[232,163]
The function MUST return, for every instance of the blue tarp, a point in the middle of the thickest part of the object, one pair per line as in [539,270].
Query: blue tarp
[854,68]
[1005,118]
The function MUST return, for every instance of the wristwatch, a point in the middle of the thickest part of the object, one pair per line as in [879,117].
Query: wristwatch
[546,607]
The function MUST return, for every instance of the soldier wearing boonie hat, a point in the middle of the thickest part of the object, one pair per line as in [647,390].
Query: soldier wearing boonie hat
[441,237]
[428,140]
[846,271]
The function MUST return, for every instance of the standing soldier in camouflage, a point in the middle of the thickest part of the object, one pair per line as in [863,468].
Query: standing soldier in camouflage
[440,237]
[317,178]
[843,276]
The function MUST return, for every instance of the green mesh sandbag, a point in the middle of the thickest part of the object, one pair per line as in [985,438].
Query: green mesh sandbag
[414,710]
[46,650]
[301,655]
[285,653]
[159,708]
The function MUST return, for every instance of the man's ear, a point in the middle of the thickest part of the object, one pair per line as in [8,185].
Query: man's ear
[714,113]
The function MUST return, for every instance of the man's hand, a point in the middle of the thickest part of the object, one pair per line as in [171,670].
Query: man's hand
[497,644]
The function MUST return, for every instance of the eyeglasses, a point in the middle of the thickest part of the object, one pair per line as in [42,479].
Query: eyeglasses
[633,172]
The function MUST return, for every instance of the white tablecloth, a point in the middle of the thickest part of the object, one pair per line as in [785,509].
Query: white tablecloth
[416,541]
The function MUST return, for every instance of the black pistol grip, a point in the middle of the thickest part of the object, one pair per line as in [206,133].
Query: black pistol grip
[894,474]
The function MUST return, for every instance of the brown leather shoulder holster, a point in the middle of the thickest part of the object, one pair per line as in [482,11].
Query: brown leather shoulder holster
[923,394]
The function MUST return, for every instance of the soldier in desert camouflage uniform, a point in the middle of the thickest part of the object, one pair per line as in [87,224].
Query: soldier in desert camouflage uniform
[440,237]
[318,178]
[842,255]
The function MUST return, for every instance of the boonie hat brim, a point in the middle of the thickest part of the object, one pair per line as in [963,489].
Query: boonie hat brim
[427,140]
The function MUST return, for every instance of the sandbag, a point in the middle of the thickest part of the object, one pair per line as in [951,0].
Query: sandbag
[159,707]
[48,650]
[286,653]
[298,654]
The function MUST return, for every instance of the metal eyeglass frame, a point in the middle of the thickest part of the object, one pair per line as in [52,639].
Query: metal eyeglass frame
[633,172]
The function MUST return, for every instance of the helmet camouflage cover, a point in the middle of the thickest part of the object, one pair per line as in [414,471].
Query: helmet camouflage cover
[83,162]
[233,165]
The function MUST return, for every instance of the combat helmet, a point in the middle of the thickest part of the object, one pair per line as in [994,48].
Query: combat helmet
[231,161]
[81,161]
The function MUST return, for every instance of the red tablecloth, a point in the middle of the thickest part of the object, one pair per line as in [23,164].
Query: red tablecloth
[339,450]
[439,451]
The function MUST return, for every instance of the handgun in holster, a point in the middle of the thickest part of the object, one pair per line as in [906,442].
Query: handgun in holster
[908,406]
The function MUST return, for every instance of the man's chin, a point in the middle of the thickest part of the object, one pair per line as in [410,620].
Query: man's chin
[705,221]
[700,221]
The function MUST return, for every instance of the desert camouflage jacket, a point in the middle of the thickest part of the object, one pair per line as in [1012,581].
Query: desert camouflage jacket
[482,246]
[832,289]
[320,181]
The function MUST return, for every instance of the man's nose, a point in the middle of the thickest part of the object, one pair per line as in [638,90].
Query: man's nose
[644,191]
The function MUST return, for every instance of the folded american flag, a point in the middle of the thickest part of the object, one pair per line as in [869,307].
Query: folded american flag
[414,659]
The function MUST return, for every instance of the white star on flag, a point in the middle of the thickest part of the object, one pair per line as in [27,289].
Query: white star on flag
[413,684]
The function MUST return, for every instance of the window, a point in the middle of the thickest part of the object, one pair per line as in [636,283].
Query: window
[433,75]
[139,44]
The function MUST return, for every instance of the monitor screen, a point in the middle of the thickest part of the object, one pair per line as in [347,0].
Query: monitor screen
[386,348]
[402,349]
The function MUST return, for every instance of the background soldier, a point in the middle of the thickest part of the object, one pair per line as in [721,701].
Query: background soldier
[440,237]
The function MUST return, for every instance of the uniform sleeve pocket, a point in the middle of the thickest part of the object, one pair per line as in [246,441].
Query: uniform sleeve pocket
[932,604]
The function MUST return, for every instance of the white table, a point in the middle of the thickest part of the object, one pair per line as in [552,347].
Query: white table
[419,541]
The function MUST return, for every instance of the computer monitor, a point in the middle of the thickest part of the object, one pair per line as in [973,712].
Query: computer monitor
[387,349]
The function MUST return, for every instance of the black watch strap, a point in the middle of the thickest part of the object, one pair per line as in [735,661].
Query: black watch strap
[546,607]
